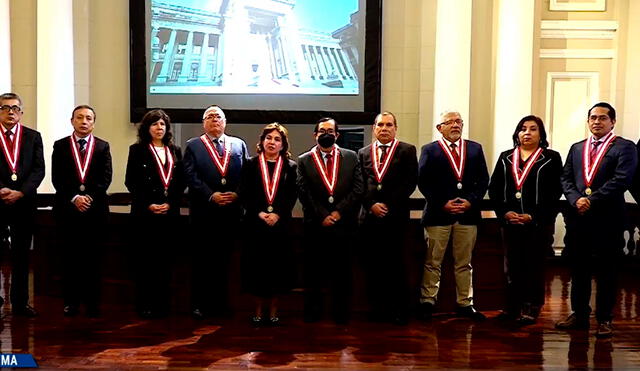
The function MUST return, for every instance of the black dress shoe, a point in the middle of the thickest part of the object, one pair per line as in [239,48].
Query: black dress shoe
[425,311]
[197,314]
[400,320]
[470,312]
[605,330]
[273,322]
[256,321]
[70,311]
[25,311]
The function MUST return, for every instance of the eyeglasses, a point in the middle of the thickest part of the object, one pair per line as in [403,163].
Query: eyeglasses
[213,116]
[7,108]
[326,131]
[599,118]
[451,122]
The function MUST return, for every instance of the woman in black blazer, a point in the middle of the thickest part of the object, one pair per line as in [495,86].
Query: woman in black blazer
[524,189]
[268,192]
[156,182]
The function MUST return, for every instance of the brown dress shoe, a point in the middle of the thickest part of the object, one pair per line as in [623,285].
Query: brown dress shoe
[573,322]
[605,330]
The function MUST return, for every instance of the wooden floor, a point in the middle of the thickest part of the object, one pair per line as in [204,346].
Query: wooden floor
[119,340]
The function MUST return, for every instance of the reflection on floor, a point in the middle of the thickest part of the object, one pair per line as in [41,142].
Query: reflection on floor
[120,340]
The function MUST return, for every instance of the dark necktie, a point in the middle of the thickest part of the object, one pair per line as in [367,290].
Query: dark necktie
[9,141]
[218,145]
[383,155]
[594,151]
[82,143]
[454,152]
[329,165]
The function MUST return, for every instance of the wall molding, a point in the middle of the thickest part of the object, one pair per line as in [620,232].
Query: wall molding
[578,53]
[565,6]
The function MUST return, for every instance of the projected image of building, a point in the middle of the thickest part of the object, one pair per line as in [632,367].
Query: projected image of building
[248,46]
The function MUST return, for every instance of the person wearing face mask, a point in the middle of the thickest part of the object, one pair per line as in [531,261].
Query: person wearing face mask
[155,179]
[268,192]
[212,165]
[81,174]
[330,187]
[21,172]
[390,171]
[524,189]
[597,173]
[453,177]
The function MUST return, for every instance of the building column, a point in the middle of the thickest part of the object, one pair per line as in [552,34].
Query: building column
[514,68]
[5,46]
[452,83]
[167,61]
[204,73]
[187,60]
[55,74]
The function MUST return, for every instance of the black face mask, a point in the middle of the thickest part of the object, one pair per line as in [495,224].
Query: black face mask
[326,140]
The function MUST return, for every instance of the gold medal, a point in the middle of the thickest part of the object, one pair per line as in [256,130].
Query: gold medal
[270,209]
[82,188]
[223,181]
[14,177]
[331,199]
[518,195]
[166,193]
[459,185]
[588,191]
[379,187]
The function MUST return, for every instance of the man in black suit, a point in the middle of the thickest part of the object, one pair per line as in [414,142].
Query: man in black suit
[21,172]
[596,174]
[330,186]
[453,178]
[390,171]
[81,174]
[212,165]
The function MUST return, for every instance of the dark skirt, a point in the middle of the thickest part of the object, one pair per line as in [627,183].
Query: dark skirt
[267,259]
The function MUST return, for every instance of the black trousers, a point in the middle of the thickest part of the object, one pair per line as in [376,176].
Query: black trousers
[383,256]
[155,238]
[213,243]
[19,223]
[81,238]
[595,246]
[327,265]
[526,248]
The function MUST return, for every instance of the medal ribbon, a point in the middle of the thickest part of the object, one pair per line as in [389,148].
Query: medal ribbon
[222,163]
[322,170]
[589,170]
[458,168]
[12,158]
[82,168]
[378,170]
[520,176]
[270,184]
[166,174]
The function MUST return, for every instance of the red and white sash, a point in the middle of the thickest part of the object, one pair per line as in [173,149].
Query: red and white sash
[270,183]
[589,169]
[165,172]
[458,168]
[330,184]
[519,176]
[82,167]
[221,162]
[14,156]
[379,170]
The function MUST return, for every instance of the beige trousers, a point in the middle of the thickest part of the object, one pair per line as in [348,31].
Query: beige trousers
[463,240]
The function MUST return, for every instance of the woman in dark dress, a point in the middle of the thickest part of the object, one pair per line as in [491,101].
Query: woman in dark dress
[524,189]
[268,193]
[154,178]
